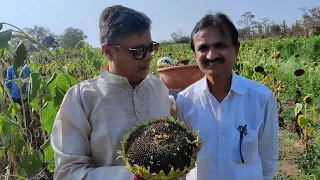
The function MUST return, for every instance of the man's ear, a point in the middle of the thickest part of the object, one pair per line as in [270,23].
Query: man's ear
[237,49]
[107,51]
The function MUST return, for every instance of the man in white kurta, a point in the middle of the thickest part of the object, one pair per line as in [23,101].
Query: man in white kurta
[94,116]
[96,113]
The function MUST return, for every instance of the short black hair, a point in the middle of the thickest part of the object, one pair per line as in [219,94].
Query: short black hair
[220,21]
[117,22]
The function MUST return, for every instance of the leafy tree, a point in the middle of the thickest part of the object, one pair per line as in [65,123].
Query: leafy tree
[284,28]
[311,19]
[42,35]
[275,30]
[263,27]
[179,37]
[297,29]
[71,37]
[37,32]
[248,23]
[51,41]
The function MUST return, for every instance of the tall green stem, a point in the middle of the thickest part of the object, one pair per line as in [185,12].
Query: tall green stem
[25,36]
[24,112]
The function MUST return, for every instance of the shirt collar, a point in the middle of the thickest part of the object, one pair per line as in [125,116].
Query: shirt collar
[236,85]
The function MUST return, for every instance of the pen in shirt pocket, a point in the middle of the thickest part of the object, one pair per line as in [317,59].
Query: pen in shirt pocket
[243,132]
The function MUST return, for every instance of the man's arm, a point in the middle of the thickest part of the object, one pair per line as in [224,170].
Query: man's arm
[9,78]
[268,141]
[179,106]
[71,144]
[27,71]
[173,110]
[173,95]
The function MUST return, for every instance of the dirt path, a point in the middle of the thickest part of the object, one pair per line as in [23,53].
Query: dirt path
[290,146]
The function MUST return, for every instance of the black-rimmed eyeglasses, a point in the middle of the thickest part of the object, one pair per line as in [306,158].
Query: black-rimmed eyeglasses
[140,52]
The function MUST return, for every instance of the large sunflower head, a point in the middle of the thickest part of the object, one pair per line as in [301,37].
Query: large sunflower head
[161,149]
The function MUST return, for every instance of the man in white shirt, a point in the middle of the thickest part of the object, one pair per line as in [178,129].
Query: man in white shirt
[96,113]
[237,118]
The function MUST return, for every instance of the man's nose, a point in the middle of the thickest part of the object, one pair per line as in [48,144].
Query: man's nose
[212,53]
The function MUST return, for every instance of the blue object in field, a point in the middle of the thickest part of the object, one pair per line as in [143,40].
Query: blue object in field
[15,91]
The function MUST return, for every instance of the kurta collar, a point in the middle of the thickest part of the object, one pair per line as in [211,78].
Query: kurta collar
[112,78]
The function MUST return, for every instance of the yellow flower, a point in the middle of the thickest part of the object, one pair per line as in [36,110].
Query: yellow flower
[266,80]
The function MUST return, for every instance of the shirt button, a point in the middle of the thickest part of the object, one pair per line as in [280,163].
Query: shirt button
[138,111]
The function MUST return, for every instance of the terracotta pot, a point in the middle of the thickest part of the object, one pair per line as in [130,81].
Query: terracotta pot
[180,77]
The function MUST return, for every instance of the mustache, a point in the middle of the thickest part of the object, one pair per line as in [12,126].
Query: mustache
[217,59]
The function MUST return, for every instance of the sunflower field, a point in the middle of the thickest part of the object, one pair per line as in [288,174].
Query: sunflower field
[288,66]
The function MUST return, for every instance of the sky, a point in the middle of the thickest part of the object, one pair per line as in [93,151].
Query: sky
[167,15]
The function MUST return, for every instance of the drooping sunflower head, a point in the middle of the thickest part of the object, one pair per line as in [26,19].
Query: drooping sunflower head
[259,69]
[308,99]
[299,72]
[276,55]
[161,149]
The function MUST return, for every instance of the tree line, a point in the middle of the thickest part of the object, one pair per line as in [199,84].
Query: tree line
[252,27]
[69,39]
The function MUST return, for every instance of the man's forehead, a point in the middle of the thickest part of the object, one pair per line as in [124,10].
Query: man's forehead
[209,40]
[210,35]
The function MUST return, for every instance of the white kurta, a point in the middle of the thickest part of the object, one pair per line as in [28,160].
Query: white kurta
[94,116]
[248,103]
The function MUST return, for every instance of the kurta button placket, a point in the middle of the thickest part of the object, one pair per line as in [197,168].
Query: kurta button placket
[140,102]
[223,123]
[136,104]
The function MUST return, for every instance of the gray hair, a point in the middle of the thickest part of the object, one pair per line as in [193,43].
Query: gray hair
[117,22]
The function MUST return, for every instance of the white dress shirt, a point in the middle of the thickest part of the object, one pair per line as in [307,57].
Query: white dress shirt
[248,103]
[94,116]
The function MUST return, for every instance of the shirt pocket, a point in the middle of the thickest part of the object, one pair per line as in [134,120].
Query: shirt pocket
[249,146]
